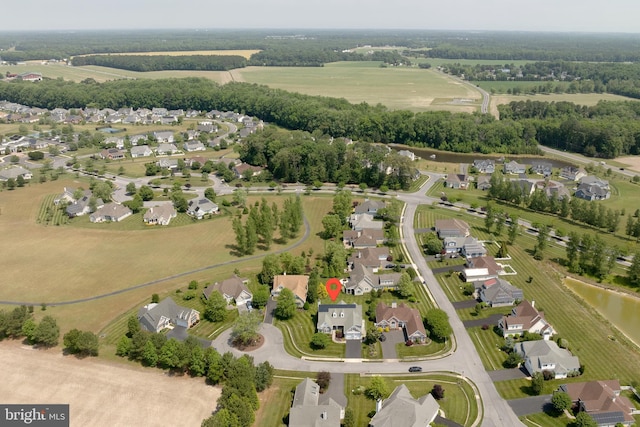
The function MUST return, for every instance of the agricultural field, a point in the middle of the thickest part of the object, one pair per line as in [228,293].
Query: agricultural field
[395,87]
[83,262]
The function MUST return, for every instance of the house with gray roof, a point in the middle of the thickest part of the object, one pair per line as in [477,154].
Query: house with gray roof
[408,154]
[200,207]
[234,290]
[374,258]
[401,409]
[366,238]
[141,151]
[14,172]
[166,314]
[592,192]
[485,165]
[191,146]
[159,215]
[111,212]
[572,173]
[363,280]
[166,149]
[468,246]
[545,355]
[498,292]
[514,168]
[171,164]
[164,137]
[311,409]
[342,317]
[82,206]
[542,168]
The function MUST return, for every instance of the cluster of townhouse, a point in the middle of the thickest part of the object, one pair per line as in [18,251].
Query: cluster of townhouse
[570,180]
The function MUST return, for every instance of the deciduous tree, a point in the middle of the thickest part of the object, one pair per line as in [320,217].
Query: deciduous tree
[286,305]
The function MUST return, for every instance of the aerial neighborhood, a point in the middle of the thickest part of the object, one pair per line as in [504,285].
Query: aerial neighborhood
[295,229]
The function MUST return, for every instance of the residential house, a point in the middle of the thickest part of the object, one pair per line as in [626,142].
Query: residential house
[497,292]
[191,146]
[114,141]
[234,290]
[297,284]
[401,409]
[370,207]
[241,169]
[457,181]
[401,317]
[141,151]
[594,180]
[311,409]
[68,196]
[542,168]
[572,173]
[166,314]
[408,154]
[544,355]
[159,215]
[451,228]
[342,317]
[82,206]
[602,400]
[14,172]
[207,127]
[360,239]
[553,189]
[111,212]
[374,258]
[360,222]
[171,164]
[30,77]
[525,186]
[166,149]
[483,182]
[525,318]
[112,154]
[164,137]
[592,192]
[469,247]
[136,139]
[196,159]
[192,134]
[514,168]
[485,165]
[200,207]
[481,269]
[363,280]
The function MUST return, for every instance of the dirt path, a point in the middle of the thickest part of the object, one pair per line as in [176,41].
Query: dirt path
[101,393]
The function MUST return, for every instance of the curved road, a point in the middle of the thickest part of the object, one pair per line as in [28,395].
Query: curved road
[486,98]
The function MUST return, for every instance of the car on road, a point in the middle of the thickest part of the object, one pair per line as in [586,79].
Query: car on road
[415,369]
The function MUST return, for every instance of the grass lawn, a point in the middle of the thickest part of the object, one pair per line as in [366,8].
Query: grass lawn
[275,402]
[298,331]
[459,404]
[395,87]
[546,420]
[81,262]
[488,344]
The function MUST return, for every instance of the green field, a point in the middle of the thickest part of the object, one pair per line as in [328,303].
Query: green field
[396,88]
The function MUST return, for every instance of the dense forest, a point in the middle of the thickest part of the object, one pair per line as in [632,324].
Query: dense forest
[608,129]
[433,44]
[163,62]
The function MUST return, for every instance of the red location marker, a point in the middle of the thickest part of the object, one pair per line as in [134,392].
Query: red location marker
[333,288]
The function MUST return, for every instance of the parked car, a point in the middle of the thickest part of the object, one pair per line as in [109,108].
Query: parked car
[415,369]
[383,337]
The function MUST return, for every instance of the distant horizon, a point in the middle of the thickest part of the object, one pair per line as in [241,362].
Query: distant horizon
[567,16]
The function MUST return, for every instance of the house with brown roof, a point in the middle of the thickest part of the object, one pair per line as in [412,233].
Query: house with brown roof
[401,317]
[159,215]
[112,154]
[457,181]
[602,400]
[481,268]
[241,169]
[233,289]
[525,318]
[298,284]
[451,228]
[365,238]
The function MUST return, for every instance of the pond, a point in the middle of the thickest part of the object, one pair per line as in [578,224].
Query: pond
[623,311]
[451,157]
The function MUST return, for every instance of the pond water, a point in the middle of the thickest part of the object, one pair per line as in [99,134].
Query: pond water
[451,157]
[623,311]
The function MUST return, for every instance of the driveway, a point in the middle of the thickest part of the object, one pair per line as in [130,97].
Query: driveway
[178,332]
[335,390]
[529,405]
[389,345]
[354,349]
[470,303]
[491,320]
[268,311]
[507,374]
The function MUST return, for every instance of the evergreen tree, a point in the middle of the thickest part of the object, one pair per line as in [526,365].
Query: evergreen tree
[251,236]
[634,270]
[241,237]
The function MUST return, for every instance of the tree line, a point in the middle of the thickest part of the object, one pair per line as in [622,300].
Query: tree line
[144,63]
